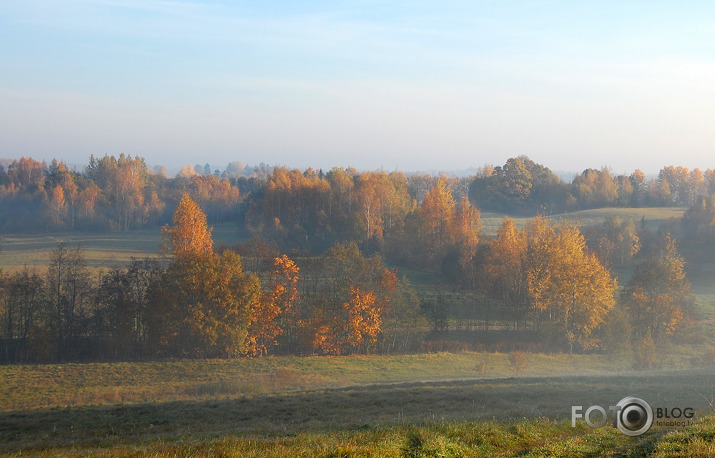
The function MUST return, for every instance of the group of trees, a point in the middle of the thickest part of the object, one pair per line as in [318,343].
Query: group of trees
[110,194]
[199,303]
[547,269]
[522,186]
[203,303]
[546,274]
[328,297]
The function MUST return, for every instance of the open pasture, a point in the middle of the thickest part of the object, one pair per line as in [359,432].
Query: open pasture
[411,405]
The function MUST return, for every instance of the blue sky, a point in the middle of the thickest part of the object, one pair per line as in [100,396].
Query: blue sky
[410,85]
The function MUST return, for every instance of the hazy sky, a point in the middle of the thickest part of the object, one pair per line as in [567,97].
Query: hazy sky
[408,84]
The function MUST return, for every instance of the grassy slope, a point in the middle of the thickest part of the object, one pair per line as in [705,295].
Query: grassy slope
[201,407]
[652,216]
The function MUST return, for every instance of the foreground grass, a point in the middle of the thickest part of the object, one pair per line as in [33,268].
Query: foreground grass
[376,405]
[539,437]
[505,417]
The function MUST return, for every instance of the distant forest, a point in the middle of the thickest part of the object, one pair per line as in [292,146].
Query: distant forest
[309,209]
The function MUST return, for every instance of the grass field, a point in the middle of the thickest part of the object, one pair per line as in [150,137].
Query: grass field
[100,250]
[378,405]
[652,216]
[59,385]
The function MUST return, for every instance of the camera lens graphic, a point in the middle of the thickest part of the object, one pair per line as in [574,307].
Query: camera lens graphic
[635,416]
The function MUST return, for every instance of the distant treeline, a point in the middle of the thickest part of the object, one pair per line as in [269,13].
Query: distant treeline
[310,209]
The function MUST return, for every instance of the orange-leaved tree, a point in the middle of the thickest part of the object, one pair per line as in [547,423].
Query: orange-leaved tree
[274,314]
[505,272]
[346,309]
[204,304]
[364,321]
[189,233]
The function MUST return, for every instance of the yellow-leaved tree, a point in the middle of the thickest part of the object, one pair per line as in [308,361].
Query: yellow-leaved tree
[505,271]
[658,295]
[567,281]
[364,322]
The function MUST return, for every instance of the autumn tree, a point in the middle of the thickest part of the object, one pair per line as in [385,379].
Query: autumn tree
[382,201]
[190,233]
[342,199]
[677,182]
[274,315]
[27,172]
[441,227]
[658,296]
[64,189]
[615,241]
[567,281]
[58,204]
[211,302]
[547,269]
[204,303]
[505,270]
[438,210]
[292,208]
[123,180]
[87,201]
[345,309]
[364,318]
[595,188]
[465,231]
[217,197]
